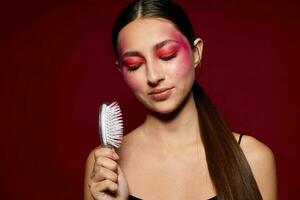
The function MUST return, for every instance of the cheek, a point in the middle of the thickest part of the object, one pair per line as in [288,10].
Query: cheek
[184,68]
[133,82]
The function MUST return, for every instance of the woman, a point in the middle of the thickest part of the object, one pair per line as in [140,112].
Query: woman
[183,150]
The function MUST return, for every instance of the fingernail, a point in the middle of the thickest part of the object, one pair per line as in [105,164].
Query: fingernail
[116,156]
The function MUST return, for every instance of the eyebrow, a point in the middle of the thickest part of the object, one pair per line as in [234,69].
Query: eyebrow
[163,43]
[157,46]
[131,53]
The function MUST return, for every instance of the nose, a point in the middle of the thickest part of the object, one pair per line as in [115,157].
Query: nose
[155,74]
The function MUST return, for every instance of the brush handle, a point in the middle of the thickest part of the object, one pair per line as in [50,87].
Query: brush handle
[100,131]
[107,146]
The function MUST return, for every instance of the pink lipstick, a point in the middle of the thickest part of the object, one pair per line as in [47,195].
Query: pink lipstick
[160,94]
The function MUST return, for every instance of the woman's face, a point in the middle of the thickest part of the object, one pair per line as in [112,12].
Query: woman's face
[156,62]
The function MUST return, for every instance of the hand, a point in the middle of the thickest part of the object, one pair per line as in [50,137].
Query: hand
[108,181]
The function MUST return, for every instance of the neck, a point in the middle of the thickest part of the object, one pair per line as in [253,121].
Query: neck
[180,127]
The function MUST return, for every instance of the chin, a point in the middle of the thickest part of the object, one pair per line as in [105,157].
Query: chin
[169,107]
[163,110]
[165,107]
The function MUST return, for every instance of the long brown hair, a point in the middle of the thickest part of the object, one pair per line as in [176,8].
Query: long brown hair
[227,164]
[228,168]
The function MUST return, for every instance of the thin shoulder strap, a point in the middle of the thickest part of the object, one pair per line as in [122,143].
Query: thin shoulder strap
[240,138]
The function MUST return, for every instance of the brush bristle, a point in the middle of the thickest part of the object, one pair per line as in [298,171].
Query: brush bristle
[111,125]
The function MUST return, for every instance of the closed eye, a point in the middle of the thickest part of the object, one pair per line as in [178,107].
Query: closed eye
[133,67]
[132,64]
[169,57]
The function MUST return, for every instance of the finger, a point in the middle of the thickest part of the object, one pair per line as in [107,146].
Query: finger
[103,186]
[122,183]
[106,163]
[106,152]
[104,173]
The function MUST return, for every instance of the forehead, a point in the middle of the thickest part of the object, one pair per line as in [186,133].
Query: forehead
[146,32]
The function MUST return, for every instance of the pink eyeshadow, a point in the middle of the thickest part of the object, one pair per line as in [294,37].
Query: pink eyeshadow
[167,50]
[132,61]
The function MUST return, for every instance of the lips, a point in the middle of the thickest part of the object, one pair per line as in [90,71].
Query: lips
[160,94]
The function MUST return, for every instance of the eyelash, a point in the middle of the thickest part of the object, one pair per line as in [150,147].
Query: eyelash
[166,58]
[133,68]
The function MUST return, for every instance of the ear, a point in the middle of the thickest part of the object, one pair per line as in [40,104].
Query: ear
[198,47]
[117,66]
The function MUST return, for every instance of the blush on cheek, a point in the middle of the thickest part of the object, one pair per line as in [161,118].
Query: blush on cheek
[133,82]
[184,67]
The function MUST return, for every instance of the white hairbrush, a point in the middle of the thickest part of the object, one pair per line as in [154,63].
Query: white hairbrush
[110,125]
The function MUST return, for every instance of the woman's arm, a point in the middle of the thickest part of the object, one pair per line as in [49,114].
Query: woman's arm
[88,174]
[262,163]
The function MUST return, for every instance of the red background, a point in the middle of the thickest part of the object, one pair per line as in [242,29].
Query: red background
[57,66]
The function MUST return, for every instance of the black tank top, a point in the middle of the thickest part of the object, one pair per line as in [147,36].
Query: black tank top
[130,197]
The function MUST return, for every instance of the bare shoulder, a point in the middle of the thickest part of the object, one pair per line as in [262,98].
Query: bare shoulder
[131,144]
[129,139]
[262,162]
[256,151]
